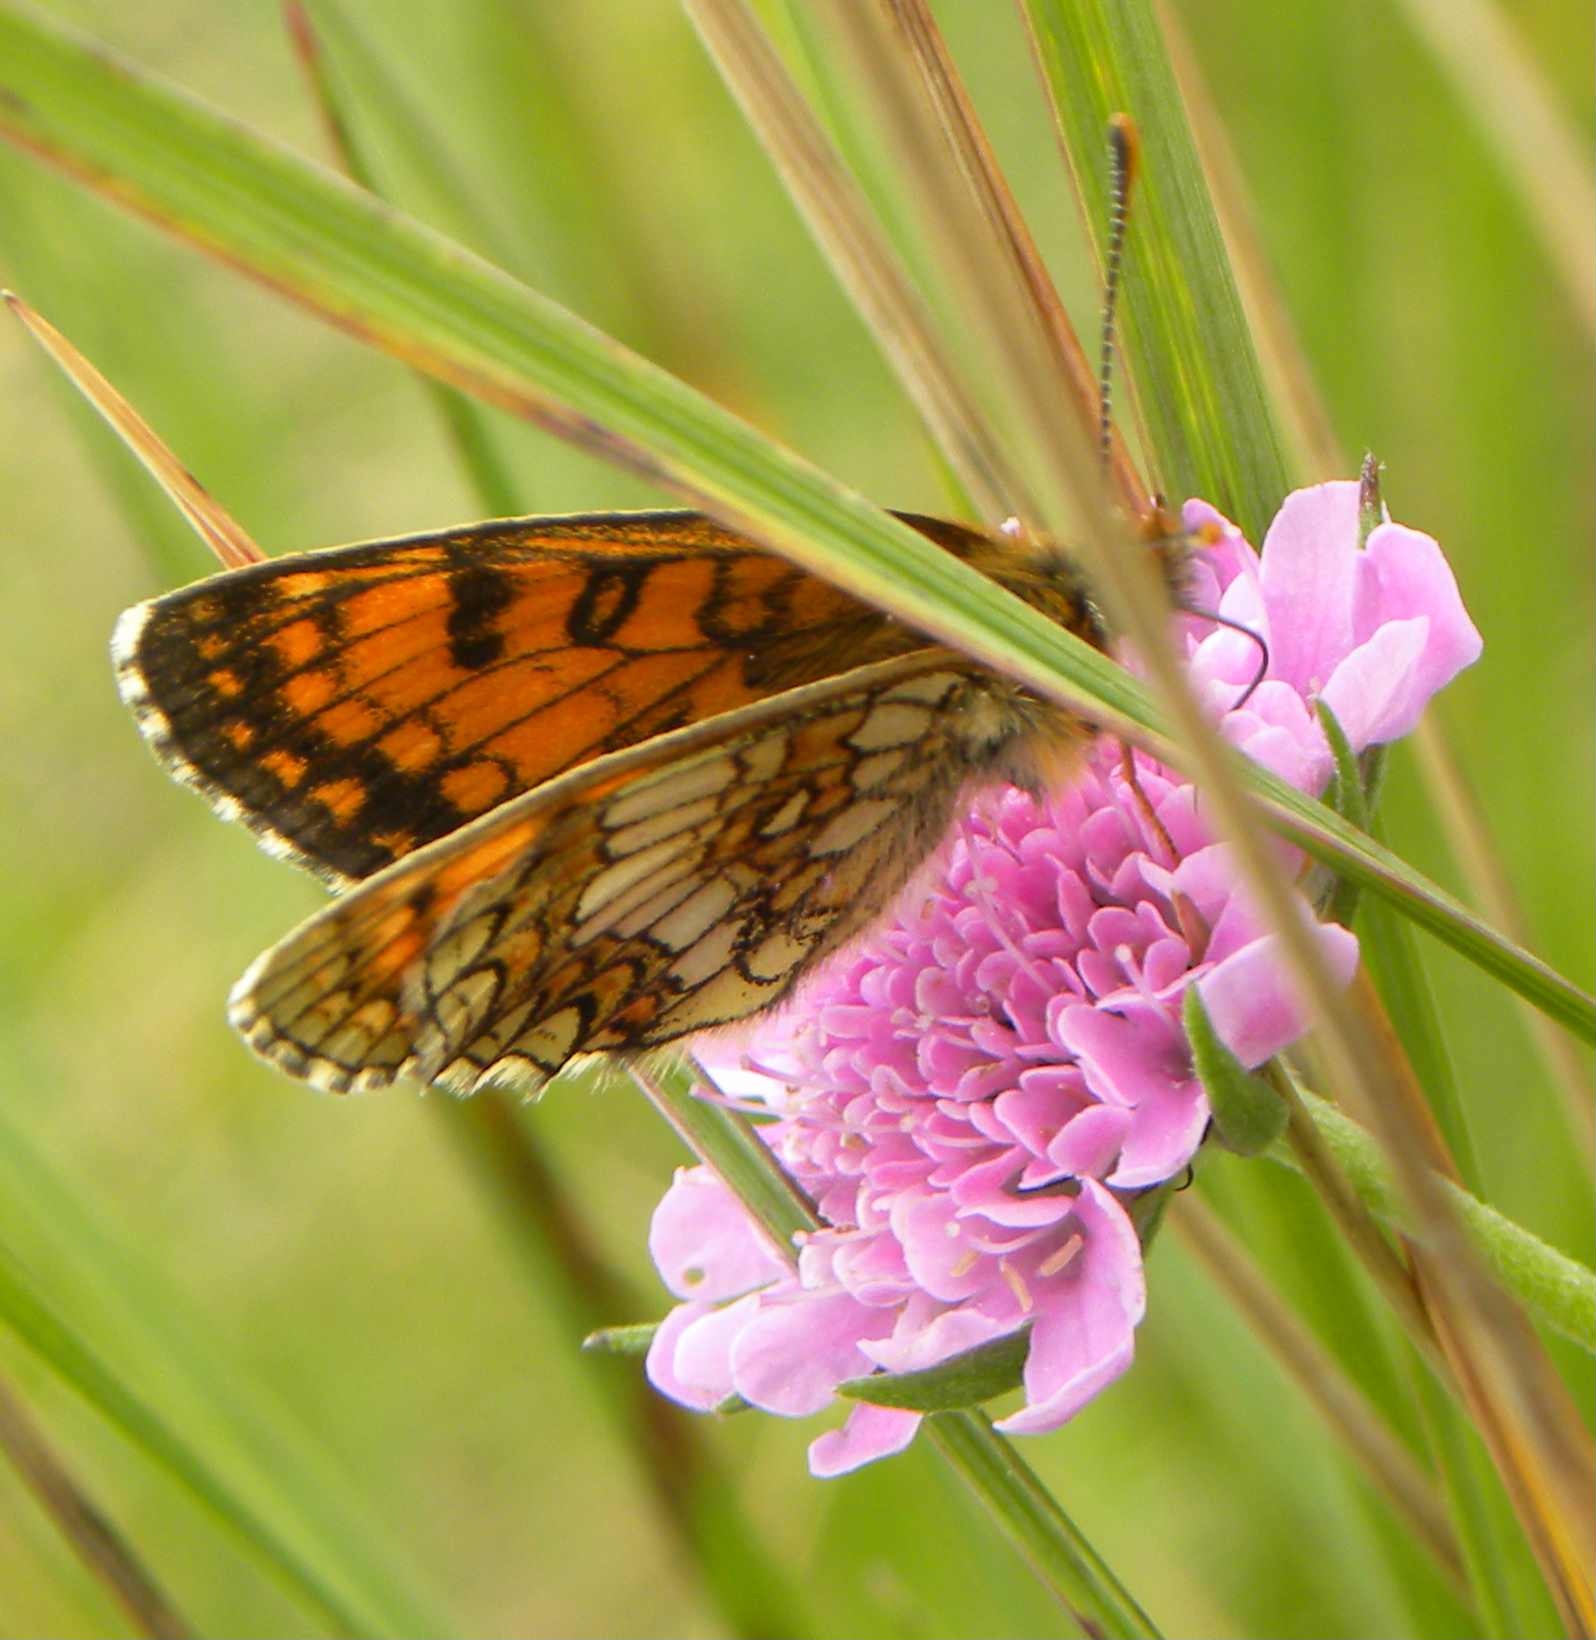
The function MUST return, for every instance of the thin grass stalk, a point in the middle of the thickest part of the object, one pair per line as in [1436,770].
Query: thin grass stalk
[1468,837]
[1487,1528]
[1387,1463]
[1390,1273]
[222,533]
[1482,1511]
[89,1531]
[978,166]
[1538,1452]
[975,261]
[870,270]
[1003,1483]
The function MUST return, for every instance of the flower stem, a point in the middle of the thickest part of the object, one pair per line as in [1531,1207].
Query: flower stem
[1031,1519]
[1556,1289]
[727,1143]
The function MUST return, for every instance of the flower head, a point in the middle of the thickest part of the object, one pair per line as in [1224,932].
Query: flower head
[973,1093]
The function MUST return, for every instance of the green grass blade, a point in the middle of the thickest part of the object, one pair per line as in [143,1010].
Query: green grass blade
[404,288]
[27,1312]
[81,1300]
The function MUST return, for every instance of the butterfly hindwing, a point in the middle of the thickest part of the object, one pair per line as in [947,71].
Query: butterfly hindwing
[661,890]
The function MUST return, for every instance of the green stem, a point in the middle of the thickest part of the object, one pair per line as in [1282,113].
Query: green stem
[1027,1514]
[1557,1290]
[727,1143]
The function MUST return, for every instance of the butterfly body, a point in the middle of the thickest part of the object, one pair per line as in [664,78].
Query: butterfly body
[587,784]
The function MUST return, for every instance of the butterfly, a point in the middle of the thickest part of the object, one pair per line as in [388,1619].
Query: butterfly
[582,784]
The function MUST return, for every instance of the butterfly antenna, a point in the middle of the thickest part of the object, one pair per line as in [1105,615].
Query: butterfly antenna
[1254,638]
[1124,151]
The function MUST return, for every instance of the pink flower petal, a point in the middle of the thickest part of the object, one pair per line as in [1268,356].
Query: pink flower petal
[1309,581]
[789,1358]
[948,1333]
[704,1244]
[1416,580]
[1089,1144]
[1377,692]
[1164,1133]
[1252,1000]
[870,1433]
[1083,1335]
[690,1357]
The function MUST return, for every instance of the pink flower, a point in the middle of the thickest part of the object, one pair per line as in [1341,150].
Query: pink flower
[973,1093]
[1373,633]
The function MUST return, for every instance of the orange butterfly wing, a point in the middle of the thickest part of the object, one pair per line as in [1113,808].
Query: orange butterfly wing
[355,704]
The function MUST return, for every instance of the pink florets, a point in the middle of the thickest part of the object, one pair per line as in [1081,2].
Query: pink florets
[972,1093]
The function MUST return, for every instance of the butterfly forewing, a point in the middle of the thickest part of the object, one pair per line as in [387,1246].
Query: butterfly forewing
[355,704]
[657,892]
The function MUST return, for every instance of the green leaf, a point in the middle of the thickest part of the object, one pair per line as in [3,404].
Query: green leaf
[964,1380]
[1248,1114]
[631,1340]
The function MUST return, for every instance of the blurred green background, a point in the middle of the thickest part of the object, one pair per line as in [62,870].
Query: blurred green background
[343,1260]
